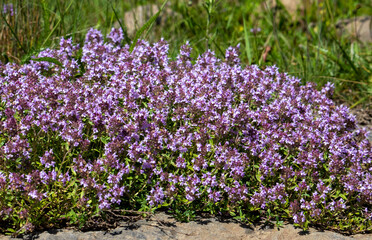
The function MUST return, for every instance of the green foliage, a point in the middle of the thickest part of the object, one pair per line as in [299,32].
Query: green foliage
[306,46]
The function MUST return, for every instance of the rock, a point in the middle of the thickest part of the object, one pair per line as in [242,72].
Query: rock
[357,28]
[291,6]
[138,16]
[163,226]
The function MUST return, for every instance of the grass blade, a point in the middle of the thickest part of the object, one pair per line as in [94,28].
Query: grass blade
[346,56]
[45,18]
[341,79]
[326,53]
[147,25]
[13,33]
[123,28]
[247,43]
[55,27]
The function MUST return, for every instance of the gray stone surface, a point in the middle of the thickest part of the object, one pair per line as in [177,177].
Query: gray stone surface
[295,8]
[356,28]
[138,16]
[163,226]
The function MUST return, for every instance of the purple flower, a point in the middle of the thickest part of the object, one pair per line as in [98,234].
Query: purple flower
[203,130]
[299,218]
[255,30]
[8,8]
[116,35]
[33,194]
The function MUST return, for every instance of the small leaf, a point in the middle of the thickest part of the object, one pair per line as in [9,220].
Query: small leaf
[73,172]
[78,75]
[82,194]
[258,176]
[72,215]
[48,59]
[343,196]
[105,139]
[325,167]
[11,230]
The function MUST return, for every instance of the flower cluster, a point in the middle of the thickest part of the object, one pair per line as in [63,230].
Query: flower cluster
[8,8]
[110,126]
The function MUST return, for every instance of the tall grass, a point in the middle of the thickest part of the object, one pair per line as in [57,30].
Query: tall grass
[306,46]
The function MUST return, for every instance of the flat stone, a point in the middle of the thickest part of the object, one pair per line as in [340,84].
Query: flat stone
[163,226]
[138,16]
[359,28]
[295,8]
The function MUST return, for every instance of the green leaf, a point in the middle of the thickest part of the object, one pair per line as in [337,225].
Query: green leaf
[11,230]
[146,26]
[73,171]
[325,167]
[165,204]
[343,196]
[72,215]
[82,194]
[105,139]
[78,75]
[258,176]
[306,225]
[2,142]
[48,59]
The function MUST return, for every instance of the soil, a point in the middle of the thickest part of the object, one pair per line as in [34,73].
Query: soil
[364,118]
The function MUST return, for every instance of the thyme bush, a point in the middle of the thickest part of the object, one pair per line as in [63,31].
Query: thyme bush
[87,129]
